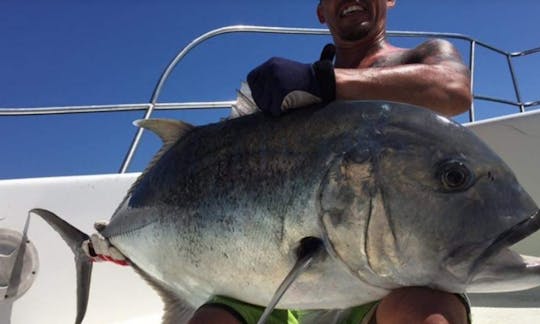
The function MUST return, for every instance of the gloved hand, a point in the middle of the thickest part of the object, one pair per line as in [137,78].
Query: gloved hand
[280,84]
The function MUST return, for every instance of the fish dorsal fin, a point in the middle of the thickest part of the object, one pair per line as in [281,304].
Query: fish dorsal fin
[169,130]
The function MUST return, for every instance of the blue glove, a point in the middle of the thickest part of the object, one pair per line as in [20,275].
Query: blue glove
[280,84]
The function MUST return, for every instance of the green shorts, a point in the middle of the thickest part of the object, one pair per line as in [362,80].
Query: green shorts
[250,314]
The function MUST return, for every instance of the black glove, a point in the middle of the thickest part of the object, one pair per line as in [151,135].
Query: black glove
[280,84]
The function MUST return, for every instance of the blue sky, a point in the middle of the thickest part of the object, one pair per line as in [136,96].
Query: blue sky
[75,52]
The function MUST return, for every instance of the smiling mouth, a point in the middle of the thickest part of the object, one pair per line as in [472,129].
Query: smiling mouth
[351,9]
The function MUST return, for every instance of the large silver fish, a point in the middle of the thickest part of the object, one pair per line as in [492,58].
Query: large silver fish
[398,195]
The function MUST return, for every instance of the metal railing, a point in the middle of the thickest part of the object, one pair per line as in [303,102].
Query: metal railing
[153,105]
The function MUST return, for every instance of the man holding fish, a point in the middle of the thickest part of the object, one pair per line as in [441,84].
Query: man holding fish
[366,67]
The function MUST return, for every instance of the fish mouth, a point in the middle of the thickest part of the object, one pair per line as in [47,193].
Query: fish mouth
[508,238]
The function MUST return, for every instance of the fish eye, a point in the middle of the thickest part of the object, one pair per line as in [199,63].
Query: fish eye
[455,176]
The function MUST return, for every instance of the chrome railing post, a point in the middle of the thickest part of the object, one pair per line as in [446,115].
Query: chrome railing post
[515,83]
[135,142]
[472,58]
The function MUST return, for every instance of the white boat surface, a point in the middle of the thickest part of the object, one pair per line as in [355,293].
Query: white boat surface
[118,295]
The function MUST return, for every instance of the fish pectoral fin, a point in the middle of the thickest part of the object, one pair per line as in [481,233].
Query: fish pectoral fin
[309,250]
[83,263]
[169,130]
[175,310]
[506,271]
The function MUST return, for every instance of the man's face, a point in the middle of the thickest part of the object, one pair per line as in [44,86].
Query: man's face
[352,20]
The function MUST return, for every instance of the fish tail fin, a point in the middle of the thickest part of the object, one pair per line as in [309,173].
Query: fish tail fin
[83,263]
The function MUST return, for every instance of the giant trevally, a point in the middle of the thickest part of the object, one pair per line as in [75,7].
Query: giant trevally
[396,195]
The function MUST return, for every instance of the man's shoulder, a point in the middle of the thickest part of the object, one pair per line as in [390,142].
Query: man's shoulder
[431,51]
[435,45]
[434,48]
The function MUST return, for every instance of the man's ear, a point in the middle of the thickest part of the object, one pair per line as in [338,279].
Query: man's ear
[320,14]
[390,3]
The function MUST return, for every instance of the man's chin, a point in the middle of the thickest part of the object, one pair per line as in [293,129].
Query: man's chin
[355,35]
[352,30]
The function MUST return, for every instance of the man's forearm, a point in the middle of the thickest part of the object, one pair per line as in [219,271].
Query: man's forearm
[443,88]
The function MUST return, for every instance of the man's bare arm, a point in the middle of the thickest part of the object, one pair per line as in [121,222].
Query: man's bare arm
[434,76]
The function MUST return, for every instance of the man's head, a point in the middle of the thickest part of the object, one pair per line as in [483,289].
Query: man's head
[354,20]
